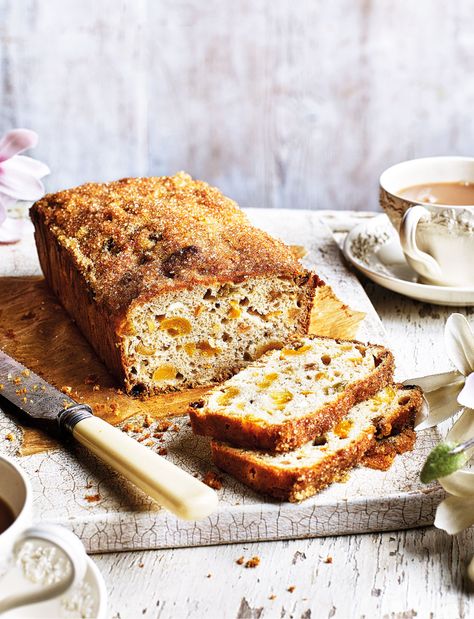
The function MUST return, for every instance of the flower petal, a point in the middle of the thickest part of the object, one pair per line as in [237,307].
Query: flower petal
[16,141]
[435,381]
[466,397]
[11,231]
[455,514]
[20,185]
[461,483]
[443,405]
[459,343]
[27,164]
[5,203]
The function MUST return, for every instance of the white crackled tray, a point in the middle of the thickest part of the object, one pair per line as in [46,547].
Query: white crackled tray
[123,518]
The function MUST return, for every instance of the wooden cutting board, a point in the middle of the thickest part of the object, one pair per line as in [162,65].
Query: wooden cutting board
[73,488]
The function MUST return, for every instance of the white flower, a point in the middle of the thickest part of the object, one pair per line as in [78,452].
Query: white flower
[19,178]
[446,393]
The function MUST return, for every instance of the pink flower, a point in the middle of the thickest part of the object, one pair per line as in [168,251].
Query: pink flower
[19,178]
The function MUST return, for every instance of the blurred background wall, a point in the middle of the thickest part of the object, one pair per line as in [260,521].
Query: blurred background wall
[281,103]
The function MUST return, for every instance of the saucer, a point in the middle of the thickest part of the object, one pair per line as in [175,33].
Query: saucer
[88,599]
[373,247]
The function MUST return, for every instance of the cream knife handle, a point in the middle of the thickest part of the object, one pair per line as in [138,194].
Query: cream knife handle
[170,486]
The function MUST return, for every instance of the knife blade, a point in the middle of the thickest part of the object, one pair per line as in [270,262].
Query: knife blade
[40,402]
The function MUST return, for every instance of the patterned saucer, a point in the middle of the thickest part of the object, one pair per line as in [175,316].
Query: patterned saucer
[374,249]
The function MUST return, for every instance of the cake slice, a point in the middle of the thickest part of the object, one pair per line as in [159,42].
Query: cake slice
[299,474]
[292,395]
[171,283]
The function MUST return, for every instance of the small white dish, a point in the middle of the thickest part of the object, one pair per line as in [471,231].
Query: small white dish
[86,600]
[373,247]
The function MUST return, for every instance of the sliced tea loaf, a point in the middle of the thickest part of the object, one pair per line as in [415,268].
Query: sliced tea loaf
[299,474]
[294,394]
[171,284]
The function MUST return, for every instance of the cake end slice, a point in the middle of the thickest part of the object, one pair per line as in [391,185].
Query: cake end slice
[301,473]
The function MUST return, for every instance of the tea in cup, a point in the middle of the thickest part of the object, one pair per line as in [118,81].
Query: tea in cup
[430,202]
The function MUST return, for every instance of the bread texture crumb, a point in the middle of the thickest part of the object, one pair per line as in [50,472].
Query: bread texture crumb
[212,480]
[92,498]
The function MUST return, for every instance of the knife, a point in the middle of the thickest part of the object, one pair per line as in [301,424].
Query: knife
[178,491]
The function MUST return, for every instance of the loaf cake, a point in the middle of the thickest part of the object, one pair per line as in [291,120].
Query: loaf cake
[294,394]
[170,282]
[301,473]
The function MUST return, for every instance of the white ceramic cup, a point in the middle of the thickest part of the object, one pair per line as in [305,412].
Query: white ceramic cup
[437,239]
[15,491]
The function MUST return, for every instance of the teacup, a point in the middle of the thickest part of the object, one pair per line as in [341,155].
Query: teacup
[437,239]
[32,547]
[15,492]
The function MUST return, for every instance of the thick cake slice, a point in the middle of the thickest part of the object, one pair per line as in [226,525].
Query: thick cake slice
[299,474]
[170,282]
[294,394]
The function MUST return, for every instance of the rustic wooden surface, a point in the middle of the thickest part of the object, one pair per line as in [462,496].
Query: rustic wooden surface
[397,575]
[33,330]
[280,104]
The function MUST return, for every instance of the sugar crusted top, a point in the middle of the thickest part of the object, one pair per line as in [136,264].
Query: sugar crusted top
[135,237]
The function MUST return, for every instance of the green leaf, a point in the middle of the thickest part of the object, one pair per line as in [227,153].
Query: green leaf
[441,462]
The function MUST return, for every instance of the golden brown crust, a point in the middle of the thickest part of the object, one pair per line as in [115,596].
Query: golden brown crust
[134,238]
[288,485]
[70,287]
[297,484]
[381,454]
[409,402]
[294,432]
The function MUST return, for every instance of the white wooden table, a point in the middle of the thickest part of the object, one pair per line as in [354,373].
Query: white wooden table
[397,575]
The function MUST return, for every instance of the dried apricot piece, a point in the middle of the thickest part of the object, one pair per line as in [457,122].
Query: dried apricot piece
[165,372]
[267,380]
[176,326]
[145,350]
[228,395]
[206,349]
[291,352]
[343,428]
[234,310]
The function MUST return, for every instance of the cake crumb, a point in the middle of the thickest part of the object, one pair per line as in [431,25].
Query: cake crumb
[212,480]
[240,561]
[10,437]
[163,425]
[291,589]
[209,576]
[253,562]
[147,421]
[272,597]
[141,565]
[163,451]
[92,498]
[91,379]
[328,559]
